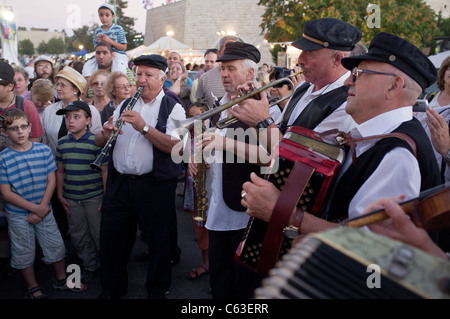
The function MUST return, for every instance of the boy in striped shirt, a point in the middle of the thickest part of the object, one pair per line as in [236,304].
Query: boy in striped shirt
[80,188]
[27,182]
[113,34]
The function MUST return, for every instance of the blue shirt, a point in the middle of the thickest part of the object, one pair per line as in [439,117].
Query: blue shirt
[26,172]
[115,33]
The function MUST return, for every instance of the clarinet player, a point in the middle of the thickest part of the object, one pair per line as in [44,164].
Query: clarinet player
[141,183]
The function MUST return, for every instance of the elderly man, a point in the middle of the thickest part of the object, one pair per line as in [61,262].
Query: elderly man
[226,218]
[383,86]
[318,102]
[141,183]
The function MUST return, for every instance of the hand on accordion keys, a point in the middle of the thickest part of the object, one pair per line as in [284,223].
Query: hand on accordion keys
[259,197]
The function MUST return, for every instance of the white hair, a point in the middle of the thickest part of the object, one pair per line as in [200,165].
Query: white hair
[248,64]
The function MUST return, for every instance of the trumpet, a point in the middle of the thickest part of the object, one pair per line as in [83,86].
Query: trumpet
[112,138]
[189,123]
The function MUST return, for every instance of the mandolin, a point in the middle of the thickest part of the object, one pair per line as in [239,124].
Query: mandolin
[430,211]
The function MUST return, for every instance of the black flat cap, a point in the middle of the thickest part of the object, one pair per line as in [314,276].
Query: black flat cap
[388,48]
[75,106]
[328,33]
[240,51]
[153,60]
[6,72]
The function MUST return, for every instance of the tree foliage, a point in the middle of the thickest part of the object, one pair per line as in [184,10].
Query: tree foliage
[414,20]
[26,47]
[127,23]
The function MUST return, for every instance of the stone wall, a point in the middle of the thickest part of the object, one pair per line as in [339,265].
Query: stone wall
[197,23]
[38,36]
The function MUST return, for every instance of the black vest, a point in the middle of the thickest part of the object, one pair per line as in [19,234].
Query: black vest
[351,181]
[319,108]
[163,166]
[236,173]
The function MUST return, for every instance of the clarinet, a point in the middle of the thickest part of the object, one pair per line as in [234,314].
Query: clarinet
[113,137]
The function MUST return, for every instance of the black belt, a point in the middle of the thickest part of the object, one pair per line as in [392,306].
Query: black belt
[137,176]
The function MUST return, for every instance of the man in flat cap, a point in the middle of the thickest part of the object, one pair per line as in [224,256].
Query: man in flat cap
[141,183]
[383,86]
[318,102]
[226,219]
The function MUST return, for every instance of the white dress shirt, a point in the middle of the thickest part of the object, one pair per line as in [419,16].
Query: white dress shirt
[220,216]
[133,152]
[398,172]
[339,119]
[51,123]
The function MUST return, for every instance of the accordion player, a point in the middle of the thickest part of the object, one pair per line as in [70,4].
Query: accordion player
[299,147]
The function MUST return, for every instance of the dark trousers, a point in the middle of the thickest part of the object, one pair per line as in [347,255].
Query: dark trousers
[127,202]
[228,278]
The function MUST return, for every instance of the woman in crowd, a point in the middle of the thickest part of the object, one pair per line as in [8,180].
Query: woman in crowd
[178,76]
[21,79]
[118,88]
[97,82]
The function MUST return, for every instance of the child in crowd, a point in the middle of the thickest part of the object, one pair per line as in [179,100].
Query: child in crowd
[189,204]
[113,34]
[79,187]
[27,182]
[41,93]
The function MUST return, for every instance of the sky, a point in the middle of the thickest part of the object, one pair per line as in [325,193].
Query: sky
[70,14]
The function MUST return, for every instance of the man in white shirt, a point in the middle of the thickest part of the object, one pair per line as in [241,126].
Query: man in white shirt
[141,183]
[318,102]
[384,85]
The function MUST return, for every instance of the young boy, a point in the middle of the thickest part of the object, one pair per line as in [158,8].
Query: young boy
[113,34]
[27,182]
[80,188]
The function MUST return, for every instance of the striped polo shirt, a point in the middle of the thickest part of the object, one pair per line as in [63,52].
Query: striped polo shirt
[115,33]
[26,172]
[80,180]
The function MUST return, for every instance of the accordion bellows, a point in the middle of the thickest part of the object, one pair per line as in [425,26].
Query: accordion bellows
[349,263]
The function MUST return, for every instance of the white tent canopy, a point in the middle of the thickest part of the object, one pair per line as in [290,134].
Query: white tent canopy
[134,52]
[437,59]
[164,44]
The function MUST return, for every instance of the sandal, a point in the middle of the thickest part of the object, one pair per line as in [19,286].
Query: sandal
[30,292]
[61,285]
[194,274]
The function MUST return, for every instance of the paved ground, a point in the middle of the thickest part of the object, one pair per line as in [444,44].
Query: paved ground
[13,286]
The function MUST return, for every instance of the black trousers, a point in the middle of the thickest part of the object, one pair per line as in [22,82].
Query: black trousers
[228,278]
[127,202]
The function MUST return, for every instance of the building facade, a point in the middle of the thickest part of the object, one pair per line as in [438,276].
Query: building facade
[200,24]
[37,36]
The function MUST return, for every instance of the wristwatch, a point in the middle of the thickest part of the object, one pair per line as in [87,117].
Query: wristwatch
[446,158]
[265,123]
[145,129]
[293,230]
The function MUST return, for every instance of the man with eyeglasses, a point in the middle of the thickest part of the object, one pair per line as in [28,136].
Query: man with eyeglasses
[43,69]
[383,86]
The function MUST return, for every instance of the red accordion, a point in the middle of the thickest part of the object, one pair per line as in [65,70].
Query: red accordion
[322,160]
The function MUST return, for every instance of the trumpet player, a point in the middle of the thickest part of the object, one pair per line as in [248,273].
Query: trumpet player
[226,218]
[141,183]
[318,102]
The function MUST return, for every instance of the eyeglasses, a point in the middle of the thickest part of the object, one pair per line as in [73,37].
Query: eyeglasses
[63,85]
[98,83]
[123,86]
[44,66]
[23,127]
[356,72]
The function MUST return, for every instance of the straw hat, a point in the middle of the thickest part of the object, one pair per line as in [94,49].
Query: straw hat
[73,77]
